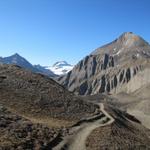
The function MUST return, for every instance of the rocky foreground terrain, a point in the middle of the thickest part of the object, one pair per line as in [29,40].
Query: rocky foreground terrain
[18,133]
[124,133]
[38,113]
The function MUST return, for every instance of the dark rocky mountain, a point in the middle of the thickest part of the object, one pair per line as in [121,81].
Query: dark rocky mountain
[37,95]
[22,62]
[18,60]
[109,68]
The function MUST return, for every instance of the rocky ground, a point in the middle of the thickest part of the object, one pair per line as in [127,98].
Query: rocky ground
[111,129]
[124,133]
[35,95]
[18,133]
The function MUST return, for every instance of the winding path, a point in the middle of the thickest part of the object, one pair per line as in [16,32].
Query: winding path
[77,140]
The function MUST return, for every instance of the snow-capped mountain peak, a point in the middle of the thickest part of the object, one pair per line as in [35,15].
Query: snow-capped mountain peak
[61,64]
[60,67]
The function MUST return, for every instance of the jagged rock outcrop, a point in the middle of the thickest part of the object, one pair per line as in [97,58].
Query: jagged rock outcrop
[110,67]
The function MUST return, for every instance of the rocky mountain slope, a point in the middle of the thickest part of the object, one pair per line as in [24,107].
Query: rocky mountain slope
[37,95]
[110,68]
[22,62]
[136,103]
[118,135]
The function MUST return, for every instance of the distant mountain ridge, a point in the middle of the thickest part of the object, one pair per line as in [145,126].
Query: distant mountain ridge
[18,60]
[22,62]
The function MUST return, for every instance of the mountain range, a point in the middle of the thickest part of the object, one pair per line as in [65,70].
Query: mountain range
[102,103]
[59,68]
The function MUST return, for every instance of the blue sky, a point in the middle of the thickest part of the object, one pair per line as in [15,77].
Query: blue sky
[45,31]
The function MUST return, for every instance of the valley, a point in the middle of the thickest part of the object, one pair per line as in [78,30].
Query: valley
[103,102]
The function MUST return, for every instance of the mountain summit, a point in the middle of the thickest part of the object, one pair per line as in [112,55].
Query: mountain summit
[61,67]
[22,62]
[18,60]
[127,40]
[61,64]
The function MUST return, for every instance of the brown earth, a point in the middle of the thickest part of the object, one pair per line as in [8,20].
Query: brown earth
[17,133]
[37,96]
[124,133]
